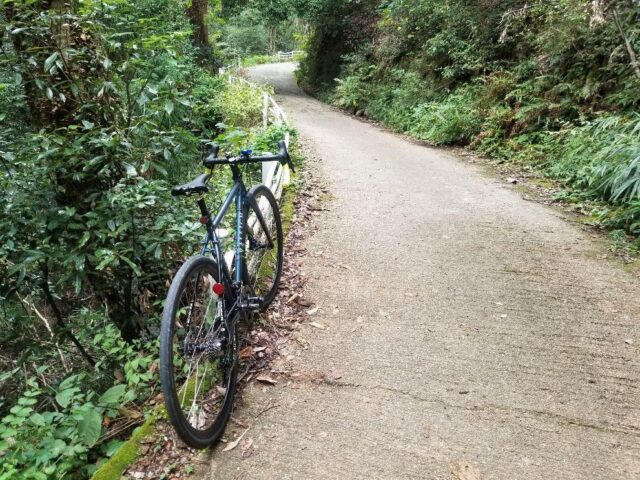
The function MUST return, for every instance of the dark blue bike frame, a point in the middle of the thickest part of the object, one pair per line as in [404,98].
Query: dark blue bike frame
[211,243]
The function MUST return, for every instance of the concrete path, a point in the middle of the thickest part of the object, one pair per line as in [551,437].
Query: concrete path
[469,333]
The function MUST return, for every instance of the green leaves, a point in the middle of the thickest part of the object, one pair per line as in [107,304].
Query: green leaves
[242,105]
[168,107]
[113,396]
[65,397]
[50,62]
[37,420]
[95,130]
[90,426]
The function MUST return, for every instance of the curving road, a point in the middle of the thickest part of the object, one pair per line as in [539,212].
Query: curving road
[468,333]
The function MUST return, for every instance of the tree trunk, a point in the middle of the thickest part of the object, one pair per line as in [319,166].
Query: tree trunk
[273,32]
[197,13]
[633,59]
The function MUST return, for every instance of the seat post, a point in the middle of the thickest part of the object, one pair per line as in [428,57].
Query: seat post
[204,211]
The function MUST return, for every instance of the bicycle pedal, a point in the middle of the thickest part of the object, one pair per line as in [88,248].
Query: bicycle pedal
[254,303]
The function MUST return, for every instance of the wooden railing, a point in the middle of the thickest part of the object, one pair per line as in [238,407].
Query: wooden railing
[274,175]
[289,56]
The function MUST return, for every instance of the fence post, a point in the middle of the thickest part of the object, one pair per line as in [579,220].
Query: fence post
[286,171]
[265,110]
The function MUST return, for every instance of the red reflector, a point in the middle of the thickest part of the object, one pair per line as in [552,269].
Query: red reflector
[218,289]
[204,220]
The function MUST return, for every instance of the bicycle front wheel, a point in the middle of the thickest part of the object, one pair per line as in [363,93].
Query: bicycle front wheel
[264,244]
[198,354]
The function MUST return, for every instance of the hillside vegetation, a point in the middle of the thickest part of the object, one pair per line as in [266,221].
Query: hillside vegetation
[103,107]
[552,85]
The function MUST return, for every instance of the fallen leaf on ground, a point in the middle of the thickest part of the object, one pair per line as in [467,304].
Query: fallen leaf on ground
[317,325]
[234,444]
[129,413]
[246,352]
[265,379]
[312,311]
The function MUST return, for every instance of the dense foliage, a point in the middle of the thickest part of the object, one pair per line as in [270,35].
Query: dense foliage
[103,106]
[261,27]
[554,84]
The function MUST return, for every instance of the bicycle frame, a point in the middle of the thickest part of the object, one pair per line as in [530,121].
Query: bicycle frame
[211,243]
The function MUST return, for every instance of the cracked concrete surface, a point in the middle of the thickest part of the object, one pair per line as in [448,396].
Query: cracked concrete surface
[472,334]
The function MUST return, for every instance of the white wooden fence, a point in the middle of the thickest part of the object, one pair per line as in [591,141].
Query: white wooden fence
[289,56]
[274,175]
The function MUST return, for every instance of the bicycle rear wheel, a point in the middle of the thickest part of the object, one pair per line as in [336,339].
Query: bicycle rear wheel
[263,258]
[198,354]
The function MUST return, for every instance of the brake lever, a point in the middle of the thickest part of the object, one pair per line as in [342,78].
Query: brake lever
[286,158]
[213,155]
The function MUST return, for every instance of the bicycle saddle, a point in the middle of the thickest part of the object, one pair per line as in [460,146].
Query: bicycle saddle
[196,186]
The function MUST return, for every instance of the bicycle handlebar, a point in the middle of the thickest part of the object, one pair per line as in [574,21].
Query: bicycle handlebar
[282,156]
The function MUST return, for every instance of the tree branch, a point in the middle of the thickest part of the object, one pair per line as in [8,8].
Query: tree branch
[627,43]
[30,305]
[59,319]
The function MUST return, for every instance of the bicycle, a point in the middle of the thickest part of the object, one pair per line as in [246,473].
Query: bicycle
[208,299]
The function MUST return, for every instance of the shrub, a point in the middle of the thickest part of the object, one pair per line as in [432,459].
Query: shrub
[453,120]
[242,105]
[350,93]
[89,234]
[59,429]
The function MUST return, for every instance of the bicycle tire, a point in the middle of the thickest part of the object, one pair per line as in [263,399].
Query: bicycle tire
[177,354]
[263,272]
